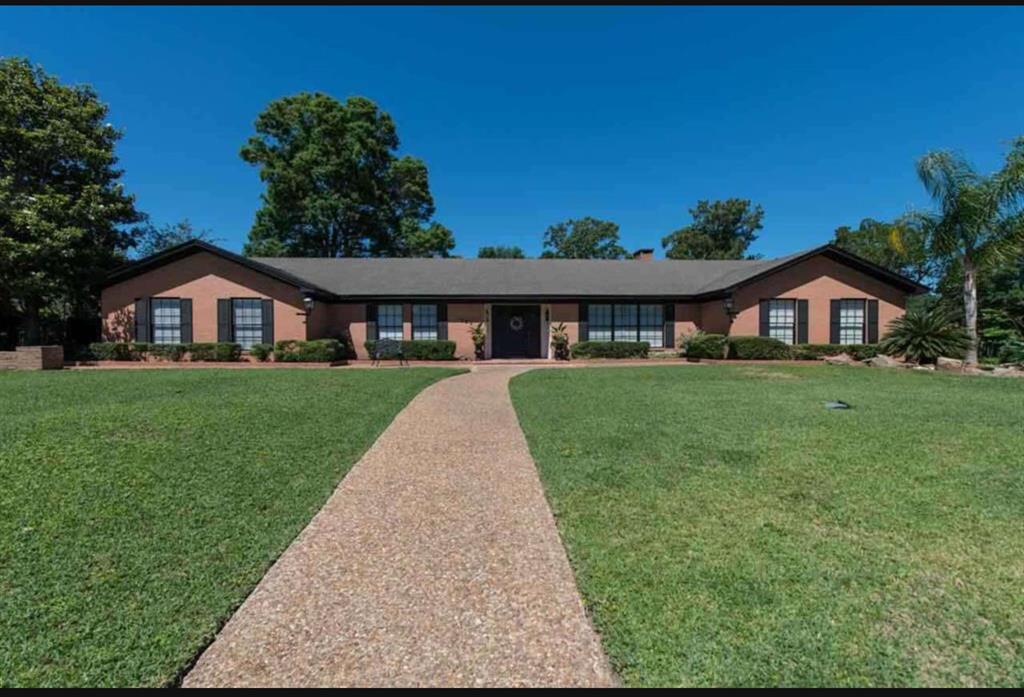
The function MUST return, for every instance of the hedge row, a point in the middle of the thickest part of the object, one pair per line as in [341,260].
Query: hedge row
[610,349]
[314,351]
[702,345]
[422,350]
[138,351]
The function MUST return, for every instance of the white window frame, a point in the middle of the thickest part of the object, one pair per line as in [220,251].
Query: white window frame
[848,328]
[424,330]
[782,319]
[249,333]
[167,331]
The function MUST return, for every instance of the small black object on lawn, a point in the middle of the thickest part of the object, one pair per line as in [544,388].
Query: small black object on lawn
[836,405]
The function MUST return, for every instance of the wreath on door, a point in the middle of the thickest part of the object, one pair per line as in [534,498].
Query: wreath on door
[516,323]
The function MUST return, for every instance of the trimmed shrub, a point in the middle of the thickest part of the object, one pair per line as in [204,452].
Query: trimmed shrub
[111,351]
[167,352]
[704,345]
[314,351]
[221,352]
[261,352]
[1012,352]
[758,348]
[422,350]
[813,352]
[610,349]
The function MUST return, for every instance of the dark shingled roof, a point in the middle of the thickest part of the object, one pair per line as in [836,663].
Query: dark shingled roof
[513,278]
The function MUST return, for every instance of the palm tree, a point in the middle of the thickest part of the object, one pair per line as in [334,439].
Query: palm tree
[980,220]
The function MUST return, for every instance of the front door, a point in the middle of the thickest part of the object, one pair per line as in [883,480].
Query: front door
[516,331]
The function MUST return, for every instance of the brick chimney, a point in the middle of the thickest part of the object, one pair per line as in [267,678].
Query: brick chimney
[643,255]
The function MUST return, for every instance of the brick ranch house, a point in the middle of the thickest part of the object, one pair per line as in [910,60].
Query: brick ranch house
[197,292]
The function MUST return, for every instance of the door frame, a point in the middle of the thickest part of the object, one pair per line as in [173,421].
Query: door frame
[545,329]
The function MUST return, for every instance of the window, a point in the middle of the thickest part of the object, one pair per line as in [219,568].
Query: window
[782,320]
[247,316]
[652,328]
[851,321]
[624,328]
[626,322]
[166,320]
[389,322]
[424,322]
[599,322]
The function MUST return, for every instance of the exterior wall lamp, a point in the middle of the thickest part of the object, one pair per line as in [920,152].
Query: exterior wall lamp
[730,307]
[308,302]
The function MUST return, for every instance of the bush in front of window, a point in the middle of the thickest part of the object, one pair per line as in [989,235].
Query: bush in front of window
[220,352]
[112,351]
[166,352]
[610,349]
[813,352]
[313,351]
[261,352]
[422,350]
[701,344]
[758,348]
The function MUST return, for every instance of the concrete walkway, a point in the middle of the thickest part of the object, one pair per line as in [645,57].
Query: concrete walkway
[436,562]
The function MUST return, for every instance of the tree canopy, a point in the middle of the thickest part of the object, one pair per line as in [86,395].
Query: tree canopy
[873,240]
[500,252]
[63,209]
[153,239]
[334,185]
[586,238]
[720,230]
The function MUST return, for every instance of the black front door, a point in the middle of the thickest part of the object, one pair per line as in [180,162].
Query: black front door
[516,331]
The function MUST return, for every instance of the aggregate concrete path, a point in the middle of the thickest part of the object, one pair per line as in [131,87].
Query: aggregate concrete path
[436,562]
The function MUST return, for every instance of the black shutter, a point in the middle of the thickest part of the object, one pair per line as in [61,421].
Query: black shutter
[833,330]
[224,332]
[584,330]
[763,328]
[185,309]
[801,321]
[872,321]
[442,321]
[668,334]
[142,324]
[268,321]
[371,322]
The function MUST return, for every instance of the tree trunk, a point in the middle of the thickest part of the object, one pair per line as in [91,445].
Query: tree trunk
[971,311]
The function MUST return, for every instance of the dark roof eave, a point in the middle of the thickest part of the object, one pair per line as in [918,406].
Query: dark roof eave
[191,247]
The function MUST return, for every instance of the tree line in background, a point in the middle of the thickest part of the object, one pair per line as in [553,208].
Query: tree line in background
[335,186]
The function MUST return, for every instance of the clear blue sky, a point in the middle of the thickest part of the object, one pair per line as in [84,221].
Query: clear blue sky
[528,116]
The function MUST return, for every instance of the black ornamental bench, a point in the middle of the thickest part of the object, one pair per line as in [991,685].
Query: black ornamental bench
[388,349]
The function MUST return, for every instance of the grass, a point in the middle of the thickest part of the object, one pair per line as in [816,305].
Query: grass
[726,529]
[139,508]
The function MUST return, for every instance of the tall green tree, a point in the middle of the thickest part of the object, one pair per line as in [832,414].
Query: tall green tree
[872,239]
[64,213]
[500,252]
[978,223]
[720,230]
[586,238]
[153,239]
[335,186]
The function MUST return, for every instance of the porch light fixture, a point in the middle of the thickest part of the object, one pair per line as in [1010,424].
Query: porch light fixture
[307,301]
[730,307]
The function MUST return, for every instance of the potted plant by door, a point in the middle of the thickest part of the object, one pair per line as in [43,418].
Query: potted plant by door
[478,333]
[560,342]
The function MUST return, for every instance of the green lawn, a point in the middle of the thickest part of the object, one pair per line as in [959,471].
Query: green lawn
[138,508]
[727,529]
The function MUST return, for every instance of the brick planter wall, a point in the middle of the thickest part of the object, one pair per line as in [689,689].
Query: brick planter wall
[33,358]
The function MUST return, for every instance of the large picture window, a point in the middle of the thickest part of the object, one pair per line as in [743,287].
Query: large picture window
[626,322]
[247,316]
[851,321]
[166,320]
[424,322]
[782,320]
[389,322]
